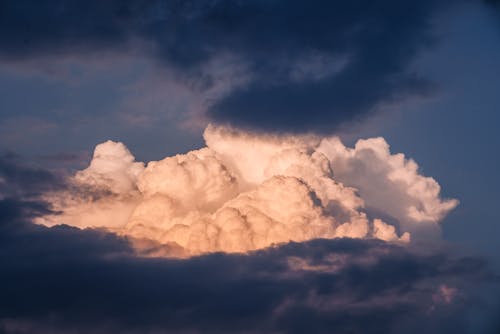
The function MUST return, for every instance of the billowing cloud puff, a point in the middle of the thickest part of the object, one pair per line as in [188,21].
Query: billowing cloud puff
[113,167]
[387,182]
[247,191]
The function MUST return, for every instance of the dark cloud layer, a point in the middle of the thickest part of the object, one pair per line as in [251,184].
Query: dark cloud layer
[310,65]
[66,280]
[19,180]
[492,2]
[495,6]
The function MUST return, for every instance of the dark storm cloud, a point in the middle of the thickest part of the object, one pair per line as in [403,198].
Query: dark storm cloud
[62,280]
[311,65]
[66,280]
[492,2]
[20,180]
[494,5]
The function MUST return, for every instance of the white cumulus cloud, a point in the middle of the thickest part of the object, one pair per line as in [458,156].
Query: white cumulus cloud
[246,191]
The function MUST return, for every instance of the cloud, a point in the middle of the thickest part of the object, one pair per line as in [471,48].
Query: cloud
[20,180]
[67,280]
[305,66]
[383,179]
[248,191]
[64,279]
[494,8]
[491,2]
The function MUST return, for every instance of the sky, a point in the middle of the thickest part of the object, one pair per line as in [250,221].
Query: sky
[249,166]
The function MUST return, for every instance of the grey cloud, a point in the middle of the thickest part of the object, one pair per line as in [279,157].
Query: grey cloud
[67,280]
[20,180]
[311,65]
